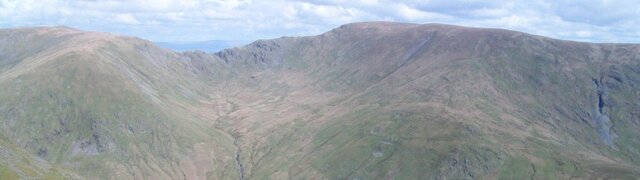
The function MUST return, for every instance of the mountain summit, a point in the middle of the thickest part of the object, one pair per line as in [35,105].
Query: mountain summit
[375,100]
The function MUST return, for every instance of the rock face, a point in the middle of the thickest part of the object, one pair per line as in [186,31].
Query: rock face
[363,101]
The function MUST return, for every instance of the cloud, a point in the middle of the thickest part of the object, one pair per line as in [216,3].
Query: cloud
[193,20]
[126,18]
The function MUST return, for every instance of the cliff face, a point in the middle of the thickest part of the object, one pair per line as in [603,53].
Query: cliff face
[363,101]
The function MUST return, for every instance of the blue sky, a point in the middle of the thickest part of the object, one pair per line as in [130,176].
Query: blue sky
[198,20]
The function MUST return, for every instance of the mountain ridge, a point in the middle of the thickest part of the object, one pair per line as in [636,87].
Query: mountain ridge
[365,100]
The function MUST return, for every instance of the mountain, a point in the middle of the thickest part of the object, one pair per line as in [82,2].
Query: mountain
[207,46]
[107,106]
[373,100]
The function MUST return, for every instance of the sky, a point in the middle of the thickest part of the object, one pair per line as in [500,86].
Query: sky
[200,20]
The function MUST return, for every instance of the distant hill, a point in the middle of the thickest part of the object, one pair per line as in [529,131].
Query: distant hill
[374,100]
[206,46]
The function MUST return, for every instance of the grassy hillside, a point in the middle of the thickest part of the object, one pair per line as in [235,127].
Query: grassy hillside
[101,110]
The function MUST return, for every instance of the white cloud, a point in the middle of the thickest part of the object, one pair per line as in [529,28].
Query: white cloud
[413,14]
[184,20]
[126,18]
[584,34]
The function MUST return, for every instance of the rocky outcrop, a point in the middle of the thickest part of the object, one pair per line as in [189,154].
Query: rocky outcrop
[601,121]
